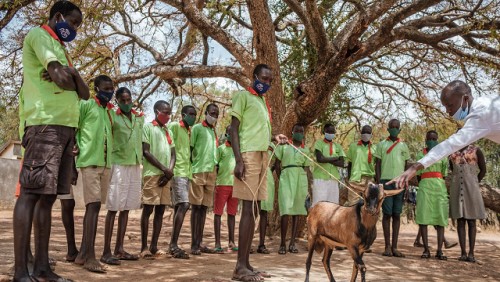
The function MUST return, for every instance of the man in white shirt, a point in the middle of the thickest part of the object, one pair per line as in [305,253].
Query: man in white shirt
[481,117]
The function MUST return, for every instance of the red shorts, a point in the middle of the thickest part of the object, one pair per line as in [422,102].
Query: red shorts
[223,195]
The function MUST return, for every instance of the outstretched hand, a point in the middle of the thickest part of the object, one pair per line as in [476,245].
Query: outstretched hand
[402,180]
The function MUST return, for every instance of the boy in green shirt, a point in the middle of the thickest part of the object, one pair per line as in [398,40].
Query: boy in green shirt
[125,187]
[179,190]
[329,155]
[203,147]
[48,113]
[95,144]
[159,161]
[391,156]
[224,193]
[361,166]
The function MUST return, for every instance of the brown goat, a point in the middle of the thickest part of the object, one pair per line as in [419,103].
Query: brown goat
[330,225]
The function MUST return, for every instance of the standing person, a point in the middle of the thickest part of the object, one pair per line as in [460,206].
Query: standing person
[125,189]
[361,166]
[329,155]
[49,123]
[158,150]
[432,198]
[224,193]
[267,205]
[250,135]
[468,168]
[95,144]
[391,156]
[179,189]
[201,195]
[292,192]
[481,118]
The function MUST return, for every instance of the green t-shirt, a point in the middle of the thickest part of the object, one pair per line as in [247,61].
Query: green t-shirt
[393,163]
[204,143]
[226,163]
[289,156]
[127,138]
[324,148]
[159,147]
[94,136]
[357,155]
[255,125]
[42,102]
[180,135]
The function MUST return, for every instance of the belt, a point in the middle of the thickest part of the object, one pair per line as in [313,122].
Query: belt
[431,175]
[287,166]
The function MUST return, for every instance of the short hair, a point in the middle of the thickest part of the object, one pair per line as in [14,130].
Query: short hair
[431,131]
[64,7]
[329,124]
[186,108]
[393,120]
[209,106]
[259,68]
[159,103]
[100,79]
[297,125]
[121,91]
[458,86]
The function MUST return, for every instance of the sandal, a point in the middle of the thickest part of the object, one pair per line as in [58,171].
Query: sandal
[426,255]
[471,259]
[196,252]
[440,256]
[219,250]
[126,256]
[207,250]
[462,258]
[262,250]
[397,254]
[110,260]
[147,255]
[282,250]
[292,249]
[179,254]
[247,277]
[417,244]
[160,254]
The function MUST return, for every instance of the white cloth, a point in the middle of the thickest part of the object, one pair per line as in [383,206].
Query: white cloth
[125,188]
[483,121]
[69,196]
[325,191]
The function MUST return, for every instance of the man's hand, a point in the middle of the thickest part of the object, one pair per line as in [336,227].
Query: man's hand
[239,170]
[281,139]
[76,150]
[168,173]
[402,180]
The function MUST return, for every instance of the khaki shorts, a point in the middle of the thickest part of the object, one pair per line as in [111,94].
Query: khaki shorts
[154,195]
[254,186]
[202,188]
[351,196]
[95,181]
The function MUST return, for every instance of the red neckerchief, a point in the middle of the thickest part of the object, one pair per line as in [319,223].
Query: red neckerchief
[331,145]
[54,35]
[205,124]
[252,91]
[169,140]
[228,144]
[134,112]
[393,145]
[425,151]
[109,106]
[360,142]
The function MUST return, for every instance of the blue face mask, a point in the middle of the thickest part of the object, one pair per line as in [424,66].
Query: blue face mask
[329,136]
[260,87]
[104,96]
[461,113]
[64,31]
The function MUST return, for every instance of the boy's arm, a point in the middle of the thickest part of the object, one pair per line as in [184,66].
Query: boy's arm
[326,160]
[378,169]
[481,162]
[152,159]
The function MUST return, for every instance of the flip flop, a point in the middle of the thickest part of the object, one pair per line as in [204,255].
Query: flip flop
[282,250]
[425,255]
[462,258]
[219,250]
[387,254]
[292,249]
[179,254]
[439,255]
[262,250]
[247,277]
[126,256]
[397,254]
[196,252]
[262,273]
[146,255]
[471,259]
[110,260]
[207,250]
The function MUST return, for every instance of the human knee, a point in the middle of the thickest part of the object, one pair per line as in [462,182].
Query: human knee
[159,210]
[182,207]
[47,200]
[147,210]
[68,205]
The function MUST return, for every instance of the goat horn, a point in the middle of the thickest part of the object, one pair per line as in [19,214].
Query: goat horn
[389,193]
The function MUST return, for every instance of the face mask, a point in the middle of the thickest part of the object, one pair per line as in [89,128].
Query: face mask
[228,137]
[64,31]
[329,136]
[461,113]
[210,119]
[298,136]
[365,137]
[189,119]
[162,118]
[104,96]
[431,144]
[394,132]
[260,87]
[126,108]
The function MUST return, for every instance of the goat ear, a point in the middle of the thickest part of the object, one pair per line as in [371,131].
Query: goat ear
[381,189]
[389,193]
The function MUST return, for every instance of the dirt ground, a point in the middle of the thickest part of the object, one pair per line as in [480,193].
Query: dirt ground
[289,267]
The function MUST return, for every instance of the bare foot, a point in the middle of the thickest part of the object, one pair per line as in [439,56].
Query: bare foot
[93,265]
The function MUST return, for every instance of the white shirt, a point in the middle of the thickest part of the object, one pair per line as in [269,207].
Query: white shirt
[483,121]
